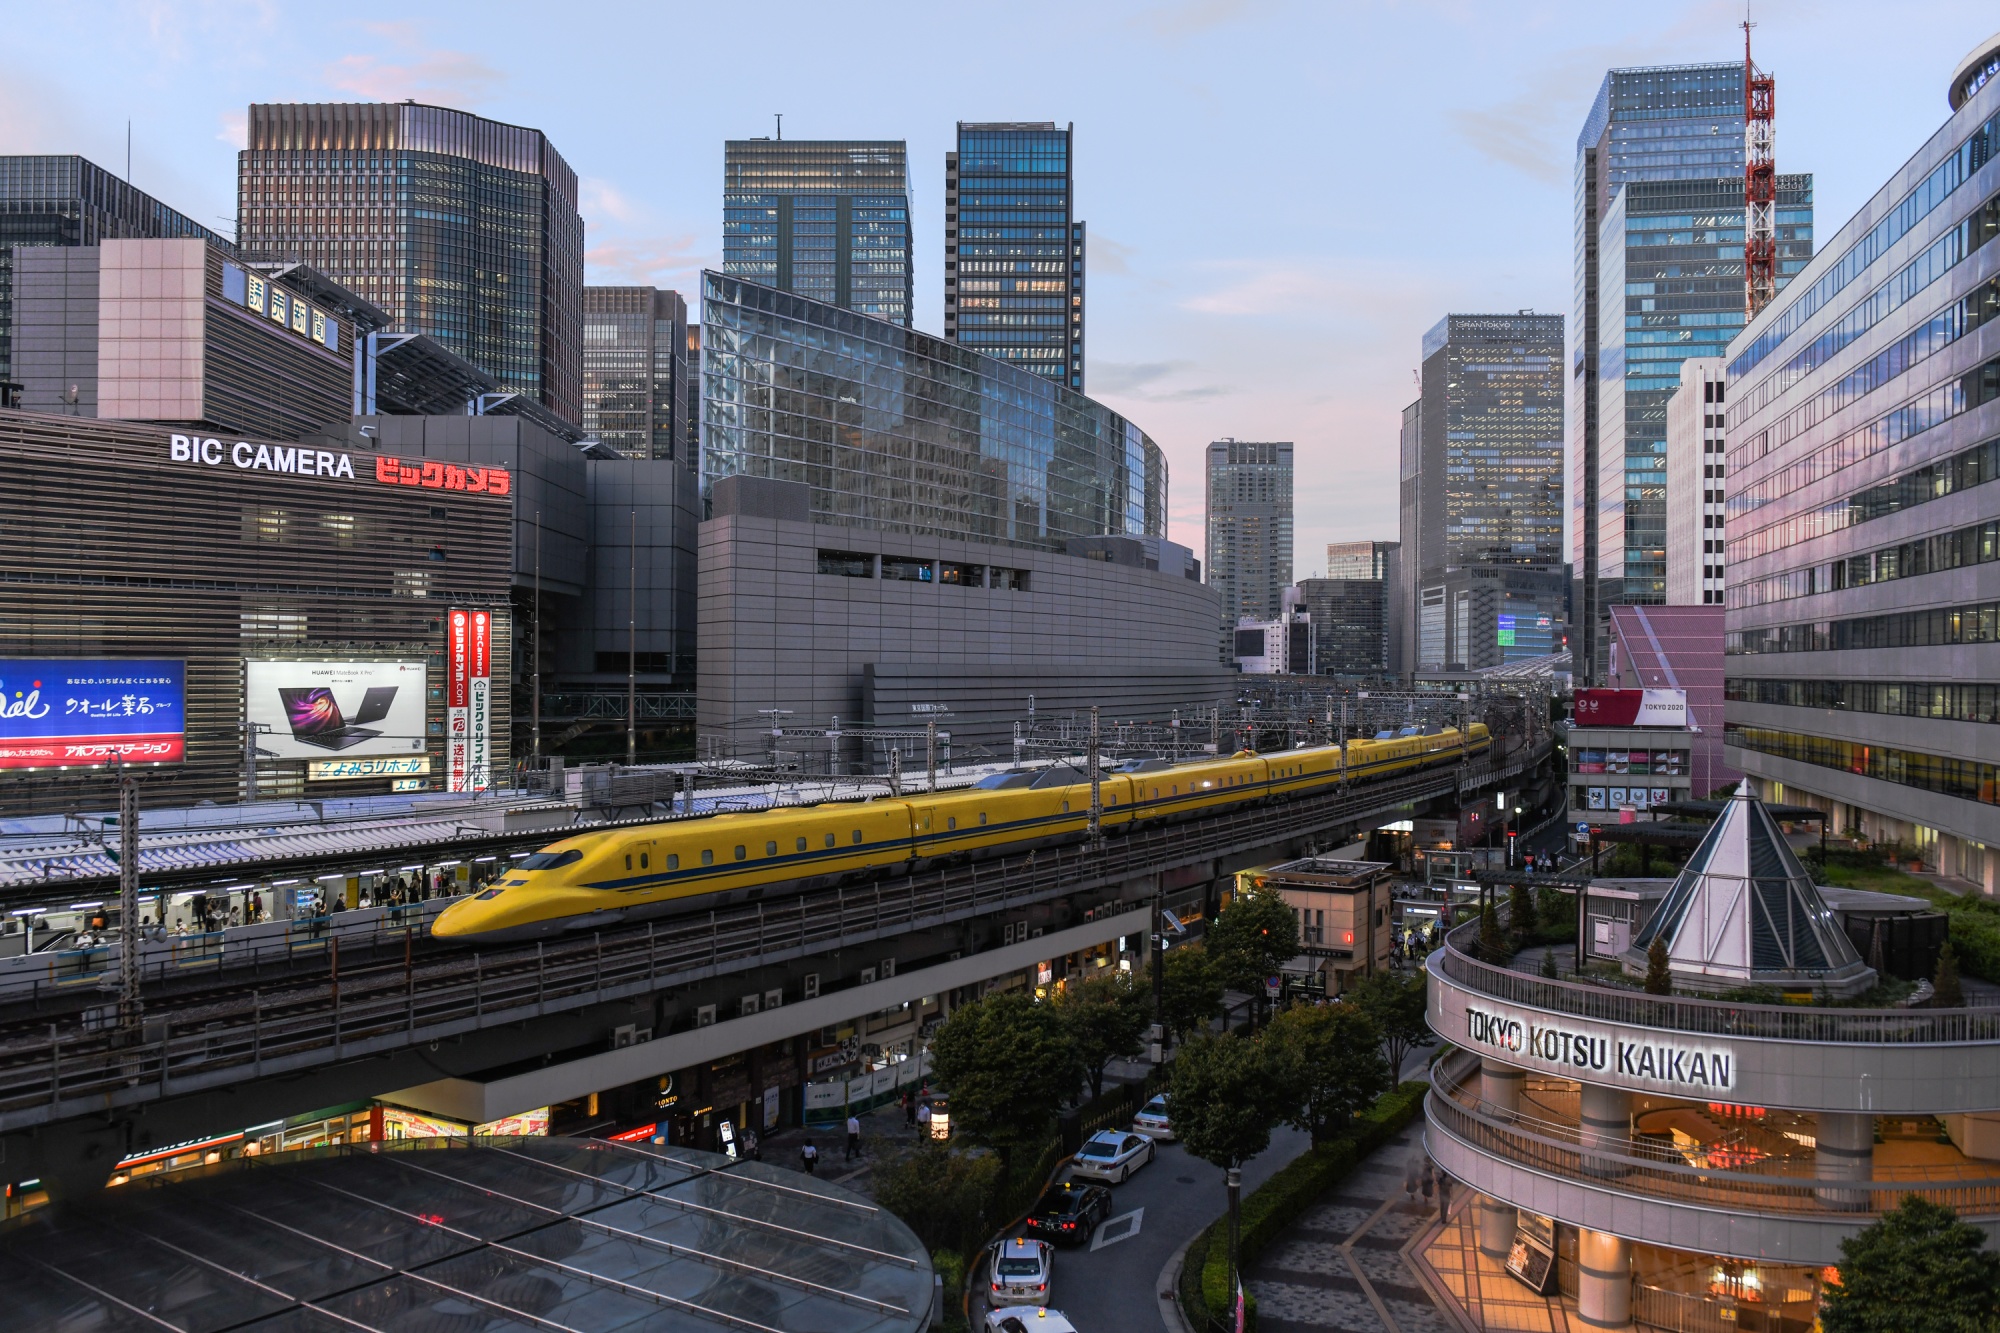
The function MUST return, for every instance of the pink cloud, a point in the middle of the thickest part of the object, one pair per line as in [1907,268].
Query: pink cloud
[411,69]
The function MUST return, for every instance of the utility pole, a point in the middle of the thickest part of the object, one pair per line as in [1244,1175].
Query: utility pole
[930,755]
[1096,782]
[632,647]
[896,769]
[537,686]
[128,899]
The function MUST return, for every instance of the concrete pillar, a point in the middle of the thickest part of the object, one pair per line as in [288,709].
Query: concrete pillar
[1604,1124]
[1845,1151]
[1500,1087]
[1497,1222]
[1603,1279]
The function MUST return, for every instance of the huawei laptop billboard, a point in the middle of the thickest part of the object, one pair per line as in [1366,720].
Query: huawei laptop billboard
[349,710]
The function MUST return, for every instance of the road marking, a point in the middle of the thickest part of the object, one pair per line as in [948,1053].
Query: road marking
[1114,1229]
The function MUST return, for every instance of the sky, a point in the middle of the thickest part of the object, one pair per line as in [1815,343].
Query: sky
[1281,197]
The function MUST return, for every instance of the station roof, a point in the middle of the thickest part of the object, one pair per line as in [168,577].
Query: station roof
[488,1234]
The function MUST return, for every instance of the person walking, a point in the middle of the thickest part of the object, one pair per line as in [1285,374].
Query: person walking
[923,1120]
[809,1158]
[853,1136]
[910,1110]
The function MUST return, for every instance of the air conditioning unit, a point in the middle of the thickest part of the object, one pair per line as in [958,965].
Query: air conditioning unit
[627,1035]
[867,975]
[704,1016]
[888,968]
[773,998]
[751,1004]
[812,986]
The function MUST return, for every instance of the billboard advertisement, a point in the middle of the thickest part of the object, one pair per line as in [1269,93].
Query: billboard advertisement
[349,710]
[91,713]
[1631,708]
[468,659]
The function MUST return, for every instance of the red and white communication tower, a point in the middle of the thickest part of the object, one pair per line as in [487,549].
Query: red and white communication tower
[1760,185]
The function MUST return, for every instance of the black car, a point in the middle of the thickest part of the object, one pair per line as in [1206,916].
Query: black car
[1069,1211]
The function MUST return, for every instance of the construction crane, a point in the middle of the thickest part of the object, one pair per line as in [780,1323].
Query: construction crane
[1760,184]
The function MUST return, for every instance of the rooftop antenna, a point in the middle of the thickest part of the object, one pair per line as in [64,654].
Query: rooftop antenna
[781,123]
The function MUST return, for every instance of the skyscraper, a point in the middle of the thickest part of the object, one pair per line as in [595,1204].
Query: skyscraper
[1013,249]
[1250,527]
[828,219]
[1695,469]
[1350,608]
[639,392]
[1660,282]
[69,201]
[459,227]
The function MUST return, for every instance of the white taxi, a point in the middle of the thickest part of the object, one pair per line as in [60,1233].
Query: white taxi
[1027,1319]
[1021,1271]
[1111,1155]
[1153,1120]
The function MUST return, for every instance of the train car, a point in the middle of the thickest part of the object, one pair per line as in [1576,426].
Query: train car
[1304,771]
[1182,790]
[1013,816]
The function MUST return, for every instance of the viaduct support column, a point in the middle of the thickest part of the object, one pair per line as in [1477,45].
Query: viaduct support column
[1603,1279]
[1500,1089]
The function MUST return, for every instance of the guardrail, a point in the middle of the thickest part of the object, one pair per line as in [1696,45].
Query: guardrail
[1717,1018]
[360,1012]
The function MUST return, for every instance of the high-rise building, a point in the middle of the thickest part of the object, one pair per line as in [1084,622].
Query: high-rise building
[1358,560]
[69,201]
[1863,612]
[1013,248]
[639,393]
[826,218]
[1250,527]
[1695,474]
[1661,281]
[461,228]
[1410,516]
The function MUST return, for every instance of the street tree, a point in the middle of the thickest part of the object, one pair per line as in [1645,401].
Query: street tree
[1918,1270]
[1255,935]
[1225,1103]
[1190,990]
[948,1198]
[1327,1059]
[1396,1004]
[1106,1018]
[1008,1064]
[1659,975]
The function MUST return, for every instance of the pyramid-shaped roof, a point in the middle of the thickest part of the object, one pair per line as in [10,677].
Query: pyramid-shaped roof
[1745,913]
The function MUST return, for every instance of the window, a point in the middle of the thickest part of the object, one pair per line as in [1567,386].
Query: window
[982,818]
[829,840]
[857,837]
[551,860]
[847,564]
[906,570]
[967,576]
[673,861]
[628,860]
[1011,580]
[708,856]
[801,844]
[741,853]
[645,861]
[1065,807]
[951,822]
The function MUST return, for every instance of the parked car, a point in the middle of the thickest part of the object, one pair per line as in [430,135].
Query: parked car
[1020,1273]
[1153,1121]
[1069,1211]
[1111,1155]
[1027,1319]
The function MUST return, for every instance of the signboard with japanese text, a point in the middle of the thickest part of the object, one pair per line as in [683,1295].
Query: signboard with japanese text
[353,710]
[59,713]
[468,656]
[328,770]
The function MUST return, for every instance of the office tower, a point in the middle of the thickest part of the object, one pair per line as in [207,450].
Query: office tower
[1013,248]
[1409,520]
[639,392]
[69,201]
[840,579]
[1660,281]
[1250,527]
[459,227]
[1863,614]
[1357,560]
[1696,468]
[826,218]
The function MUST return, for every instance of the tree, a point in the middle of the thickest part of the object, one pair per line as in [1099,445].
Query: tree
[1008,1064]
[1257,934]
[1949,993]
[1918,1270]
[1106,1018]
[1225,1102]
[948,1198]
[1397,1007]
[1659,979]
[1492,944]
[1327,1058]
[1190,991]
[1521,912]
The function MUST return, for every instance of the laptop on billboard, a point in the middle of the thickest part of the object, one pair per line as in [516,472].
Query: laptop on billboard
[315,718]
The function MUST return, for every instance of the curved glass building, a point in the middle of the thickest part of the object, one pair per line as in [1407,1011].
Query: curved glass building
[902,431]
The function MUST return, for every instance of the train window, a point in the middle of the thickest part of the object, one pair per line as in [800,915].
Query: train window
[673,860]
[829,840]
[982,818]
[645,861]
[551,860]
[1156,793]
[801,844]
[857,837]
[1065,806]
[770,849]
[740,852]
[708,856]
[951,822]
[628,860]
[1111,800]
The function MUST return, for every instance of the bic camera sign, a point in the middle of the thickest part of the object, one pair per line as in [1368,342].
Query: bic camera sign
[1601,1055]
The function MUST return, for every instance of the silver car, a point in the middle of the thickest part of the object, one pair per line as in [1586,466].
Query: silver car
[1111,1155]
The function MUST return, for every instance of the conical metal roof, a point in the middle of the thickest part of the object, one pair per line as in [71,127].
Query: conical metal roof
[1745,913]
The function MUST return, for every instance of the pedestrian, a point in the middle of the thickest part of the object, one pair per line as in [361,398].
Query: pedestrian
[809,1158]
[1410,1172]
[923,1120]
[853,1136]
[910,1109]
[1428,1179]
[1444,1195]
[753,1147]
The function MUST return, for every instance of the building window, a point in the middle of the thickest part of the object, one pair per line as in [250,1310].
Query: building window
[847,564]
[968,576]
[905,570]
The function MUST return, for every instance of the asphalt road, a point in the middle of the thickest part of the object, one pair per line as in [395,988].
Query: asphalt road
[1109,1285]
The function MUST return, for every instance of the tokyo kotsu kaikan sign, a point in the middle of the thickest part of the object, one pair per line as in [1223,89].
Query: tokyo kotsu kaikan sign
[1599,1052]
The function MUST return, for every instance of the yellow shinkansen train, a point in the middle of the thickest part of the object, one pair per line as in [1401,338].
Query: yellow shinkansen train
[641,870]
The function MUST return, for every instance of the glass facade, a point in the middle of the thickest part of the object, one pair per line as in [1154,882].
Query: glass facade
[1013,249]
[461,228]
[638,381]
[1249,546]
[70,201]
[901,431]
[828,219]
[1350,620]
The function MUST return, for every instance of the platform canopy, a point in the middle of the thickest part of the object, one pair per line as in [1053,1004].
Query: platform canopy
[1744,912]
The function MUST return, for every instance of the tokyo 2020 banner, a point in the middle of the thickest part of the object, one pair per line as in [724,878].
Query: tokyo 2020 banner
[91,713]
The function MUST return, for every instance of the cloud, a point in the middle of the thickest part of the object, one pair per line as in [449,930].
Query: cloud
[1107,255]
[601,199]
[1189,17]
[1151,381]
[412,69]
[235,129]
[650,262]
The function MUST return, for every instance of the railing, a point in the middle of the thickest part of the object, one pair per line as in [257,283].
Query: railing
[653,706]
[1717,1018]
[1732,1191]
[1682,1312]
[48,1074]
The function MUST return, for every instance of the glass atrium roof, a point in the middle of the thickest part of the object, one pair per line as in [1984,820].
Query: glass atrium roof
[451,1236]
